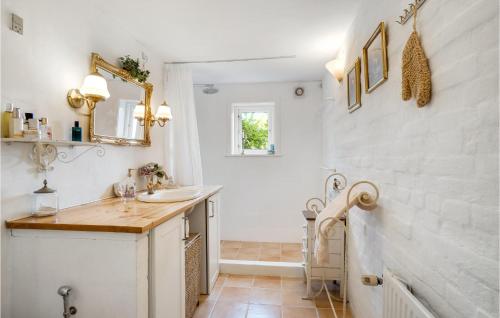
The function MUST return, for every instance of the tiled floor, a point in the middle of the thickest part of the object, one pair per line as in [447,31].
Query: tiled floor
[261,251]
[236,296]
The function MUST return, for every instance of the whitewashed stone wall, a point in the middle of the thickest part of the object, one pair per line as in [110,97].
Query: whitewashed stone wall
[437,167]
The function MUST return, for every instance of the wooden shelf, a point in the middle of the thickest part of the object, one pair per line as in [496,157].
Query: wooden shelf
[60,143]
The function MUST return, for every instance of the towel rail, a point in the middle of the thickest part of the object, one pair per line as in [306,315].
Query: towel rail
[338,183]
[366,202]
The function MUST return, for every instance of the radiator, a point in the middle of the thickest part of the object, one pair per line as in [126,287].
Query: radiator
[399,302]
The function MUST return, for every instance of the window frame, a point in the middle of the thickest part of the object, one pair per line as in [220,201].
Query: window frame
[237,130]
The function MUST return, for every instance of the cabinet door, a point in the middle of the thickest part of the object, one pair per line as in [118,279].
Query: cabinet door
[213,239]
[167,262]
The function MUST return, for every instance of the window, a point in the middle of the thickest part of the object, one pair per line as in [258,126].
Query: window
[127,125]
[253,129]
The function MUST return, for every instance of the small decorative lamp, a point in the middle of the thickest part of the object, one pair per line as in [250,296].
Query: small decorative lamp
[336,68]
[93,90]
[45,201]
[140,111]
[163,114]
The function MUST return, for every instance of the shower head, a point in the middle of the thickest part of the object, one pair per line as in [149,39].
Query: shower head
[210,89]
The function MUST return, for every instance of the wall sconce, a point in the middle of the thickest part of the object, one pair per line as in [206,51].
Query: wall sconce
[336,68]
[163,114]
[93,90]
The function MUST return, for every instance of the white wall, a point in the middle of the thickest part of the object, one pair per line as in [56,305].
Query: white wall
[38,68]
[437,167]
[263,197]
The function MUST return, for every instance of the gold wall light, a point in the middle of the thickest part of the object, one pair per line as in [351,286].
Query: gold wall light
[336,68]
[93,90]
[162,116]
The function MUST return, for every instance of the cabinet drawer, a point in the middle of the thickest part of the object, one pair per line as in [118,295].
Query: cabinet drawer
[334,260]
[328,273]
[334,246]
[336,233]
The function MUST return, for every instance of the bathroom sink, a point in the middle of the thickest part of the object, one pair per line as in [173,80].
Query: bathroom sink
[171,195]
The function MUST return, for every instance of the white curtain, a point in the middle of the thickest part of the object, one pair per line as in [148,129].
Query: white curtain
[183,144]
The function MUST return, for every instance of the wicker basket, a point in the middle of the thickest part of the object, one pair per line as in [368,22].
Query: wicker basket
[193,273]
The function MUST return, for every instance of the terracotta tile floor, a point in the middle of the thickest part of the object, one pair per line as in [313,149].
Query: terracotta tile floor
[261,251]
[238,296]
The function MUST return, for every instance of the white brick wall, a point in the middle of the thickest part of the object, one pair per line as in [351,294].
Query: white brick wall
[437,167]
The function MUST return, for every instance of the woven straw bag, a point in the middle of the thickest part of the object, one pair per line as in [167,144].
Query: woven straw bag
[416,74]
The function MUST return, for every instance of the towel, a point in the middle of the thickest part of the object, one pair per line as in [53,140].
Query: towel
[336,209]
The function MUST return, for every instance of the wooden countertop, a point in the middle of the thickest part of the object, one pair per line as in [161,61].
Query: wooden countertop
[109,216]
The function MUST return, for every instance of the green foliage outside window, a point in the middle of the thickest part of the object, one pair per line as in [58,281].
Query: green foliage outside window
[255,128]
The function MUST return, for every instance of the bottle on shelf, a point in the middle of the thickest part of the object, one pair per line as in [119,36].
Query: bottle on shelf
[31,129]
[76,132]
[16,124]
[45,129]
[6,115]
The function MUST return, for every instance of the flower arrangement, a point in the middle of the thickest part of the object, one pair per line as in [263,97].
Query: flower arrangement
[153,169]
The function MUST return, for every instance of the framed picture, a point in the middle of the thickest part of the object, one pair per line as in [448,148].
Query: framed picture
[375,59]
[354,86]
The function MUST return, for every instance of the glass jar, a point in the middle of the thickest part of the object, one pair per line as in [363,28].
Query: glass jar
[45,201]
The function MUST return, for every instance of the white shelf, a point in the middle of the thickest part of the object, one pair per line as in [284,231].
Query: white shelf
[60,143]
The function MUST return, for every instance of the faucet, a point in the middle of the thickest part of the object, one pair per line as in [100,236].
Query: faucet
[64,291]
[150,186]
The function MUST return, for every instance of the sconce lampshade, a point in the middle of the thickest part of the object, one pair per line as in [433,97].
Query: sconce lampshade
[140,111]
[95,87]
[164,112]
[336,68]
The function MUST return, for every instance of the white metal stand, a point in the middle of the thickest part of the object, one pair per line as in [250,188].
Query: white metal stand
[365,201]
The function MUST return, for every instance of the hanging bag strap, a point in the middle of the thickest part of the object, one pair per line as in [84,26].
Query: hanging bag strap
[415,17]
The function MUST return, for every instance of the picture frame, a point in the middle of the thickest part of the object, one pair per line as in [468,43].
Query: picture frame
[375,62]
[353,81]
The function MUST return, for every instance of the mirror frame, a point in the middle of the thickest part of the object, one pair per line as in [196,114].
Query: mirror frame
[98,61]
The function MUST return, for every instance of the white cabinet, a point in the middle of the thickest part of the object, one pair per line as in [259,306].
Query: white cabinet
[334,270]
[138,273]
[107,271]
[167,269]
[213,224]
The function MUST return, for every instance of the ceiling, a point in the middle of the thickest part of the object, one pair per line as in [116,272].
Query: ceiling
[186,30]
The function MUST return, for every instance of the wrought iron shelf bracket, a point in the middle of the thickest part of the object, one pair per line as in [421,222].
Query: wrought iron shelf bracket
[44,153]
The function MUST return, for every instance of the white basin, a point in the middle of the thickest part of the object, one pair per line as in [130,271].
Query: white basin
[171,195]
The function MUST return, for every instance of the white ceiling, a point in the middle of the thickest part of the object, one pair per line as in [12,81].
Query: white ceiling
[185,30]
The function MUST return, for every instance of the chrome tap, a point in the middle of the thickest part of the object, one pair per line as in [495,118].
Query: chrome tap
[150,186]
[64,291]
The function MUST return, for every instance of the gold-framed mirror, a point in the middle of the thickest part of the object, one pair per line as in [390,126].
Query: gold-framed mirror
[112,120]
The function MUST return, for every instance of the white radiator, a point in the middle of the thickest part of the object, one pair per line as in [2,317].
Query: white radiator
[399,302]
